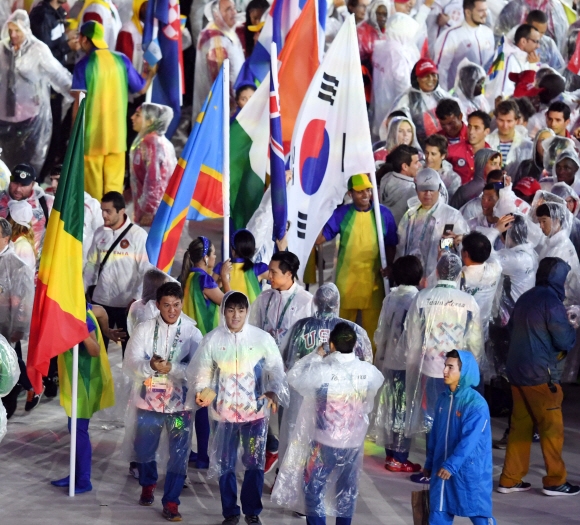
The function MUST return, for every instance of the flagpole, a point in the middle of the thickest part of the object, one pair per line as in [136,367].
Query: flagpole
[226,165]
[73,420]
[379,223]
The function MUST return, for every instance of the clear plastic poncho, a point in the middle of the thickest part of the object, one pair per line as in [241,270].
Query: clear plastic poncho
[4,175]
[152,160]
[390,359]
[553,146]
[320,471]
[469,75]
[26,77]
[240,368]
[16,295]
[393,60]
[162,394]
[308,334]
[391,136]
[440,319]
[571,154]
[369,32]
[516,11]
[9,375]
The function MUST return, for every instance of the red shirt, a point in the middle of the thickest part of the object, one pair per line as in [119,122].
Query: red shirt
[461,156]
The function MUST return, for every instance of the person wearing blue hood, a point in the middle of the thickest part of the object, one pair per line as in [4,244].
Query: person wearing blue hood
[541,338]
[459,447]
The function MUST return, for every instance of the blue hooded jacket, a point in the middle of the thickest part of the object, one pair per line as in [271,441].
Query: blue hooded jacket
[460,442]
[541,330]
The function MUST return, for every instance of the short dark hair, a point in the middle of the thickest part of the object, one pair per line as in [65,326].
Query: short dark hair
[481,115]
[402,154]
[56,170]
[527,109]
[407,270]
[560,107]
[506,106]
[447,107]
[543,210]
[536,16]
[169,289]
[116,198]
[288,262]
[524,31]
[236,299]
[477,246]
[438,141]
[243,88]
[343,337]
[454,354]
[470,4]
[494,175]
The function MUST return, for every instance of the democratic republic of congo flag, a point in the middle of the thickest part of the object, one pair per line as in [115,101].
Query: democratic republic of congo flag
[195,188]
[59,312]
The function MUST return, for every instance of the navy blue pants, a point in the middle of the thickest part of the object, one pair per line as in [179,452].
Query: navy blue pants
[149,427]
[84,453]
[251,437]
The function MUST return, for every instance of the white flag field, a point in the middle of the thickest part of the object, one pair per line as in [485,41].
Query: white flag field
[331,142]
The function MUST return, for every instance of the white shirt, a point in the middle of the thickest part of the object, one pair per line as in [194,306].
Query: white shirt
[93,218]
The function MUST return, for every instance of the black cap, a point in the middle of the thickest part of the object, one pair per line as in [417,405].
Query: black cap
[23,174]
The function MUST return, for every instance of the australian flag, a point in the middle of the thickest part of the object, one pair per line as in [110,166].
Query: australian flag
[162,45]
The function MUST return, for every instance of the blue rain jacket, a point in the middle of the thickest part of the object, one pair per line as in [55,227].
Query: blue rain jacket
[460,442]
[541,330]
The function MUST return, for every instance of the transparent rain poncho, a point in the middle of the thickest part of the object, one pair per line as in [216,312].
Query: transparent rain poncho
[308,334]
[393,61]
[16,295]
[390,359]
[552,148]
[469,75]
[26,77]
[393,138]
[369,32]
[440,319]
[561,189]
[154,395]
[4,175]
[9,375]
[557,243]
[152,160]
[568,153]
[240,368]
[320,470]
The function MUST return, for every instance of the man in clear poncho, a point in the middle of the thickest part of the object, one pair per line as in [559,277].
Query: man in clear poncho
[157,358]
[440,319]
[373,29]
[27,72]
[389,421]
[516,11]
[469,87]
[238,373]
[217,41]
[393,59]
[426,223]
[310,333]
[319,474]
[152,160]
[9,373]
[566,169]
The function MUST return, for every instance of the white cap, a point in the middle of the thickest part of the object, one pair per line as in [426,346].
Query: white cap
[21,212]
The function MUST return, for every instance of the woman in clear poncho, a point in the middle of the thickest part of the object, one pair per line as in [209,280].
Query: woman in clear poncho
[534,167]
[152,160]
[372,29]
[561,189]
[399,130]
[9,374]
[469,87]
[27,72]
[393,60]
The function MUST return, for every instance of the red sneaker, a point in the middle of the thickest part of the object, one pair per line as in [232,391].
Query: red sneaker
[170,512]
[147,498]
[271,460]
[397,466]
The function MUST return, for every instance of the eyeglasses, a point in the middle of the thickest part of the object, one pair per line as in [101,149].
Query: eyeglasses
[534,41]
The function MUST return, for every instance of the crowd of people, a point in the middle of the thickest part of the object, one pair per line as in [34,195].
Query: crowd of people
[475,119]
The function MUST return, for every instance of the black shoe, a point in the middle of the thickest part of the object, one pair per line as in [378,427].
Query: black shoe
[253,519]
[522,486]
[562,490]
[231,520]
[50,386]
[10,401]
[32,400]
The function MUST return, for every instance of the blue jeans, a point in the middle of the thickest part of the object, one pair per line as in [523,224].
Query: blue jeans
[84,453]
[444,518]
[251,437]
[323,461]
[149,427]
[202,434]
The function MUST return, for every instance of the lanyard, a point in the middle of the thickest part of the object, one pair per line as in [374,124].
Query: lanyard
[173,345]
[281,318]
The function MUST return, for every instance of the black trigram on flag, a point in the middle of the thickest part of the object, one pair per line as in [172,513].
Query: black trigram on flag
[301,225]
[328,88]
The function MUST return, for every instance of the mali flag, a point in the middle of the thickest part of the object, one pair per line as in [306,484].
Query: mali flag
[195,189]
[59,313]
